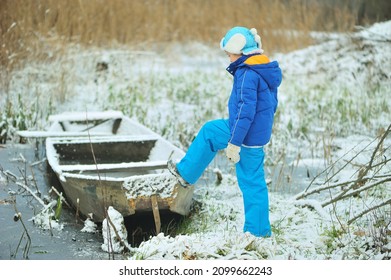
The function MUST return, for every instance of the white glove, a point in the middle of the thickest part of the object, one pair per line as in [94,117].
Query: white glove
[232,153]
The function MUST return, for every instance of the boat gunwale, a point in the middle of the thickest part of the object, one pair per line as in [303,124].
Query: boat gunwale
[112,179]
[103,139]
[158,164]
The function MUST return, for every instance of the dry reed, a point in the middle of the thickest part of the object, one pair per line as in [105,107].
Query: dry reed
[30,29]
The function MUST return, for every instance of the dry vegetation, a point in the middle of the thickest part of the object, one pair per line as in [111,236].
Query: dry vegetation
[43,29]
[30,28]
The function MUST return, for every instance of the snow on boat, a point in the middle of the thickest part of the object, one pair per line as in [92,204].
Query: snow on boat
[120,163]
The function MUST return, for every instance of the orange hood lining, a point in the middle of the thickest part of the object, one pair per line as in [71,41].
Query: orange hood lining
[257,59]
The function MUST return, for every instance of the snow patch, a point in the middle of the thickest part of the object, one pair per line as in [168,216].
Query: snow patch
[114,232]
[89,226]
[156,184]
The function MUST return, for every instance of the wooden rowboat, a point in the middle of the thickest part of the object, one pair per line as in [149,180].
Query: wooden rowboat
[106,159]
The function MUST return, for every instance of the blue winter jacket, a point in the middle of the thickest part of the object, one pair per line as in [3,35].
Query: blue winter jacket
[253,99]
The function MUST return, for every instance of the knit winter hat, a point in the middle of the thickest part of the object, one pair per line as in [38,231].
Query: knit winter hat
[241,40]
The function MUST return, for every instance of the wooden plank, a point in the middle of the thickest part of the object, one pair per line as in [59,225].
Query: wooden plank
[45,134]
[182,199]
[156,215]
[117,123]
[106,137]
[115,166]
[84,116]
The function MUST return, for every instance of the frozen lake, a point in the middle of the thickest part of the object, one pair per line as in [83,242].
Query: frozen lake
[69,243]
[66,244]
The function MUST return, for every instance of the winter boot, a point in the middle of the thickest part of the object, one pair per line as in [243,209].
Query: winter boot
[174,171]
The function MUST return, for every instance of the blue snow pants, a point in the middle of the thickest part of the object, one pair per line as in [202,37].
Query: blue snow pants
[214,136]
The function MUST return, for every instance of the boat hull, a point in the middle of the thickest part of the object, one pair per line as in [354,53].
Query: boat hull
[121,163]
[94,196]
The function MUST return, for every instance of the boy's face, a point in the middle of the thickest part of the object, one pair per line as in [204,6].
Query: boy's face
[233,57]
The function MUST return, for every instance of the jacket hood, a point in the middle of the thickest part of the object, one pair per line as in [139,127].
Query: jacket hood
[269,71]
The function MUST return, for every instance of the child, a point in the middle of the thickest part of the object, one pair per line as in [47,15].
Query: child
[251,107]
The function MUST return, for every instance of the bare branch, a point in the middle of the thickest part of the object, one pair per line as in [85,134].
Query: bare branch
[340,169]
[364,171]
[32,193]
[60,195]
[324,187]
[342,195]
[369,210]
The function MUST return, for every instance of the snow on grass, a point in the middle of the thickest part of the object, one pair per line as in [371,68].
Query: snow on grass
[89,226]
[45,219]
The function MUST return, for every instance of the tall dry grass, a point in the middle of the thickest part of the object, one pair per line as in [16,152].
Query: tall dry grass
[42,29]
[29,28]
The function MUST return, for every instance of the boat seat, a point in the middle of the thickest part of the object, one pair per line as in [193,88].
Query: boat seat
[116,166]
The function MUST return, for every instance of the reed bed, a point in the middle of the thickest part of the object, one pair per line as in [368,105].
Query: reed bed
[42,30]
[29,29]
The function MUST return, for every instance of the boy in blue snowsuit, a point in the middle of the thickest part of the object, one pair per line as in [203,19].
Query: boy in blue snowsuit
[252,104]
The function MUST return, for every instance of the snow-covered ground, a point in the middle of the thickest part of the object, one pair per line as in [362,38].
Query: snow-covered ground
[334,102]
